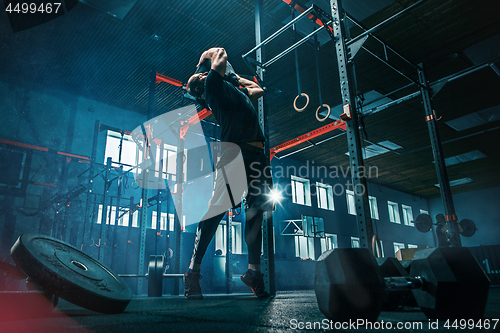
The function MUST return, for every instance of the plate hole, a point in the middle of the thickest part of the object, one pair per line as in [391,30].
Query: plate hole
[79,265]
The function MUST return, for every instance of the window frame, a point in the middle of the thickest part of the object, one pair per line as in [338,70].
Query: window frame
[351,204]
[306,190]
[407,215]
[329,196]
[398,246]
[394,217]
[373,207]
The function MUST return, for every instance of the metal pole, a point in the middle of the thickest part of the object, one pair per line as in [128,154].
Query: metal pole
[390,19]
[348,94]
[145,183]
[277,33]
[159,195]
[104,211]
[267,266]
[316,55]
[437,151]
[291,48]
[229,251]
[352,19]
[179,178]
[129,231]
[297,71]
[88,202]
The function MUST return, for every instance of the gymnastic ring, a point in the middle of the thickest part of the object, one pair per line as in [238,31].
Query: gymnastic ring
[376,245]
[136,183]
[295,102]
[327,115]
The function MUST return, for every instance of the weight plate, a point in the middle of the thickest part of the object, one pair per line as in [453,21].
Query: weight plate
[70,274]
[155,276]
[423,223]
[468,228]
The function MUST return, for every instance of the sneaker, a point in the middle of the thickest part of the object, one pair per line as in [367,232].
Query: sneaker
[255,283]
[192,289]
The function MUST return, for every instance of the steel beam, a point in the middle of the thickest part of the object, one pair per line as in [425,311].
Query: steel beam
[229,252]
[390,19]
[277,33]
[348,94]
[267,264]
[452,234]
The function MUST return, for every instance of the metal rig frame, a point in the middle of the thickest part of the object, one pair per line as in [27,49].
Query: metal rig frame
[346,49]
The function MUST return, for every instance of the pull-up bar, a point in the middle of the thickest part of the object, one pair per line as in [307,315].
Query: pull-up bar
[390,19]
[294,46]
[279,32]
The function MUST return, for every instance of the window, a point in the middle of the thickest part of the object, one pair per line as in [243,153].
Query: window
[329,242]
[351,209]
[355,242]
[123,218]
[373,207]
[407,215]
[381,249]
[412,246]
[324,194]
[398,246]
[121,151]
[128,153]
[301,192]
[393,212]
[220,237]
[313,226]
[422,211]
[304,247]
[163,221]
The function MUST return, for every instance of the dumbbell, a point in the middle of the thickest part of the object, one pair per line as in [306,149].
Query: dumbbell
[448,283]
[390,266]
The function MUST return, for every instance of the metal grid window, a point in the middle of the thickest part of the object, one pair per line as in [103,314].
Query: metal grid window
[131,155]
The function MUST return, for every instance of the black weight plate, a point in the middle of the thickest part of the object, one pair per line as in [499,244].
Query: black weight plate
[155,276]
[468,227]
[70,274]
[423,223]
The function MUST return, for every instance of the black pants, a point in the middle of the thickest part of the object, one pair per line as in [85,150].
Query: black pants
[256,199]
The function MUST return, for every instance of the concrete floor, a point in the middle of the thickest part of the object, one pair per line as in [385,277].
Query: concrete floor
[220,313]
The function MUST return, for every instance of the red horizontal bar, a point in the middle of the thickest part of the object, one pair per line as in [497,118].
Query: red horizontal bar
[73,155]
[308,136]
[193,120]
[43,184]
[301,8]
[161,77]
[24,145]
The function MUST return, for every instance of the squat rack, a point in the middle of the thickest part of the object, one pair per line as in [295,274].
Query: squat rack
[346,49]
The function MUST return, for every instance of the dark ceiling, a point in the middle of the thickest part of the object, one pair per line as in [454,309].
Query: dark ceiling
[90,53]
